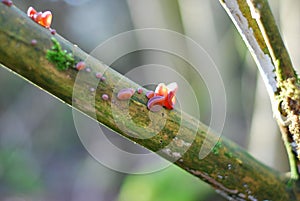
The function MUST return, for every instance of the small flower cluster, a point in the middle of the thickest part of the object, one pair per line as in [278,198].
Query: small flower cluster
[42,18]
[163,96]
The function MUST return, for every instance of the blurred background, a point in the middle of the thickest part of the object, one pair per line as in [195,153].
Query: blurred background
[41,156]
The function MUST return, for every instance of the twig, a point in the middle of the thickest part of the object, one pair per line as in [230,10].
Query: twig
[256,24]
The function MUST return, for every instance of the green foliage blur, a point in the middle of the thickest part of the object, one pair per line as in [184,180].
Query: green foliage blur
[171,184]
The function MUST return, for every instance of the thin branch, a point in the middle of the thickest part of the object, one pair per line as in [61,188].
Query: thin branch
[229,169]
[256,24]
[261,12]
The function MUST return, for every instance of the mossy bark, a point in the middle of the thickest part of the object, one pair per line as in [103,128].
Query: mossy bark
[228,168]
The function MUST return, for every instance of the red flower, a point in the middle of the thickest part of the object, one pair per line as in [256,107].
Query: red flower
[42,18]
[162,96]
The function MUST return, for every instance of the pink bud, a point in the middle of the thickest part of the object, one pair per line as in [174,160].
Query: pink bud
[125,94]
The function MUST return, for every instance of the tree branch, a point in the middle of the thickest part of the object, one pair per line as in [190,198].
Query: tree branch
[229,169]
[256,24]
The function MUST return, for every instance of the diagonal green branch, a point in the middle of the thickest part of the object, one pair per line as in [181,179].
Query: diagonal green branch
[229,169]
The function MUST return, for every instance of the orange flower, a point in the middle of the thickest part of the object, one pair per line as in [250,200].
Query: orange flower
[42,18]
[162,96]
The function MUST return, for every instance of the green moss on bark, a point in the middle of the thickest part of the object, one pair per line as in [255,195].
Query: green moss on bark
[59,57]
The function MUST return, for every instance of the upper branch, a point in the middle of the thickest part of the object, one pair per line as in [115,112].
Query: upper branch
[256,24]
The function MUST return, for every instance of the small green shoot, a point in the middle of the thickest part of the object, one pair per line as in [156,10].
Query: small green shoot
[216,148]
[61,58]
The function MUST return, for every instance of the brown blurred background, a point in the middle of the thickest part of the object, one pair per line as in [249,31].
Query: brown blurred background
[41,156]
